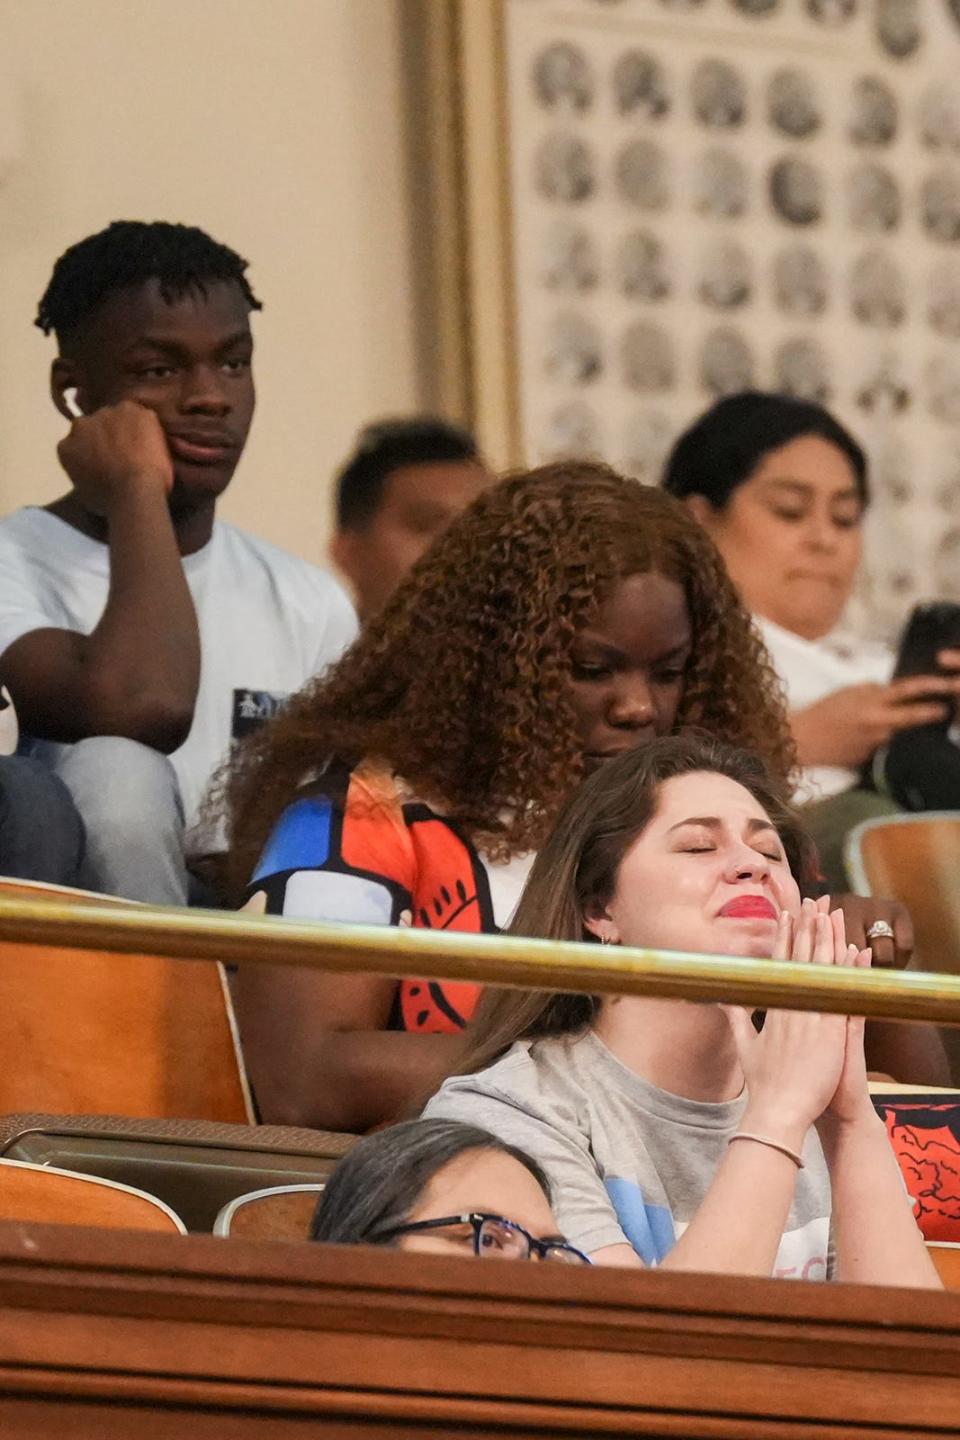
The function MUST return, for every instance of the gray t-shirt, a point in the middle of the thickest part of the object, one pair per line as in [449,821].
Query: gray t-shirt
[627,1162]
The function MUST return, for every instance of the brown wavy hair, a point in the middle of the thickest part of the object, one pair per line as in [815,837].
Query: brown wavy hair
[461,683]
[576,871]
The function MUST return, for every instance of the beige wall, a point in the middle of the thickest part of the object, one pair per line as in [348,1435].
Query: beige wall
[275,124]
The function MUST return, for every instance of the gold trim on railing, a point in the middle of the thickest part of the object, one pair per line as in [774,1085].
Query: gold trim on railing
[489,959]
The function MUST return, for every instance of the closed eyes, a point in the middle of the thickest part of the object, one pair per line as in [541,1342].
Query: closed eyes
[777,858]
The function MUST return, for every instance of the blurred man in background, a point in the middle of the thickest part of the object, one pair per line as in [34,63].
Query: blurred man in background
[403,484]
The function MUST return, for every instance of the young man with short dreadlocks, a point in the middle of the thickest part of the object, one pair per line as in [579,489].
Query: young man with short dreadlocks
[137,632]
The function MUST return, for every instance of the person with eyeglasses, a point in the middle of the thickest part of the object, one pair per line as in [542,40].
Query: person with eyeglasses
[446,1188]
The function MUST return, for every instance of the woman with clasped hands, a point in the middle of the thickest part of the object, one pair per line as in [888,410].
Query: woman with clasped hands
[805,1069]
[678,1134]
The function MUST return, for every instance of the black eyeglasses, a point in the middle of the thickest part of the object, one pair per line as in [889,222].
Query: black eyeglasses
[497,1238]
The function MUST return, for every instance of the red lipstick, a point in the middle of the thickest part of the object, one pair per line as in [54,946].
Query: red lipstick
[749,907]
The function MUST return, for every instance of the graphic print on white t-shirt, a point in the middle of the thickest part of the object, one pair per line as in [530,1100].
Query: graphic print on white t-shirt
[801,1254]
[251,709]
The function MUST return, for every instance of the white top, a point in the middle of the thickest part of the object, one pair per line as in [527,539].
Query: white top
[813,669]
[268,622]
[9,733]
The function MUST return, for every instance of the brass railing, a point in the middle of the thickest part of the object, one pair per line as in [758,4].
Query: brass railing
[489,959]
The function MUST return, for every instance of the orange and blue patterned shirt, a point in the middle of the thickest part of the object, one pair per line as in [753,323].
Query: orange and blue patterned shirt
[355,847]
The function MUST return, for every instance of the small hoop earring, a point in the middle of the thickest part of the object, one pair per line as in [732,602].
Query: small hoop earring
[606,940]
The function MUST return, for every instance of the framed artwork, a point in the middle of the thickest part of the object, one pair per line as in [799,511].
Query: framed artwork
[665,201]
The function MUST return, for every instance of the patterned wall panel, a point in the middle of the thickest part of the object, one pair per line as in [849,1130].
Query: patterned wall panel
[710,194]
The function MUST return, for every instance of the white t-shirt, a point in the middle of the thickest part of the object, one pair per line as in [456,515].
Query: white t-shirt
[268,622]
[813,669]
[9,734]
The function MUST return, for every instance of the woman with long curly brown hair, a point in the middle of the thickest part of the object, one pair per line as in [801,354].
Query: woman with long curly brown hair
[463,682]
[567,616]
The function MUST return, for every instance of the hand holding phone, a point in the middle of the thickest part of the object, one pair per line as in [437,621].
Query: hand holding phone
[920,768]
[930,629]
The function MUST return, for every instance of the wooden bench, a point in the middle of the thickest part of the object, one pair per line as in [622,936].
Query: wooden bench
[83,1031]
[122,1335]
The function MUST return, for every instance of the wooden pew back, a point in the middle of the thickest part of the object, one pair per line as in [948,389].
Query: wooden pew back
[914,859]
[86,1032]
[281,1213]
[40,1192]
[235,1340]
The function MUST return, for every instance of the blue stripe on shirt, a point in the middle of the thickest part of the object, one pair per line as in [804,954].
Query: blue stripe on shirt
[300,839]
[649,1228]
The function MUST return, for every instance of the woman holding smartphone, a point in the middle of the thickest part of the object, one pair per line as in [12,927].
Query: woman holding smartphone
[782,489]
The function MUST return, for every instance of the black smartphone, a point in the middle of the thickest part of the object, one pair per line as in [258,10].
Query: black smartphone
[917,769]
[930,629]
